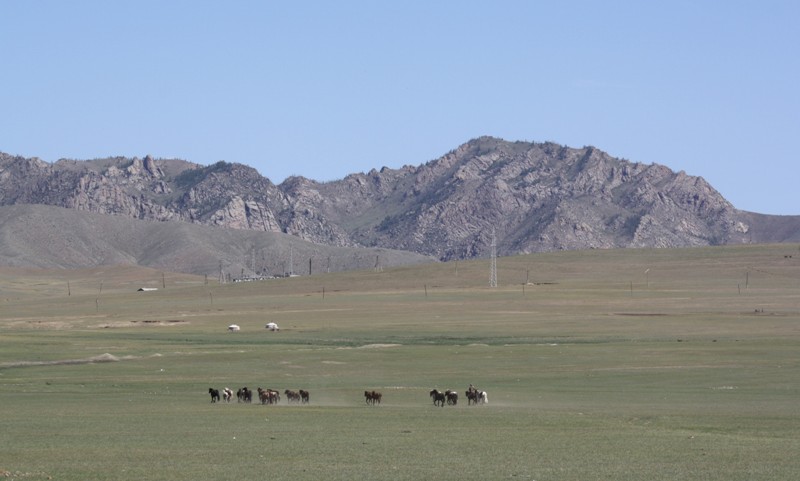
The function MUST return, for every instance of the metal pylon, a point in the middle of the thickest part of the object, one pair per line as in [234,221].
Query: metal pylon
[493,275]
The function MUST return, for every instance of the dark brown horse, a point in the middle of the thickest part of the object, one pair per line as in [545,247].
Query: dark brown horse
[304,396]
[246,395]
[476,396]
[472,395]
[373,397]
[452,397]
[438,397]
[214,394]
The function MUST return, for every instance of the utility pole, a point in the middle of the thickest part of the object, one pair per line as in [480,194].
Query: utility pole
[493,274]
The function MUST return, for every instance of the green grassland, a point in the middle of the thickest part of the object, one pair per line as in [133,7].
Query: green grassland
[615,365]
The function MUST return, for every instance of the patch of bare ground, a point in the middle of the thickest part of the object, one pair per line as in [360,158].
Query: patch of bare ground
[170,322]
[642,314]
[26,322]
[105,357]
[49,325]
[372,346]
[668,368]
[304,311]
[404,388]
[4,473]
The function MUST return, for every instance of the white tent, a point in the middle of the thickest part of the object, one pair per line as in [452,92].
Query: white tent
[272,326]
[233,328]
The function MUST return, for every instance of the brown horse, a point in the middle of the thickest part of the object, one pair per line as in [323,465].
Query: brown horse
[292,396]
[267,396]
[304,396]
[275,394]
[214,394]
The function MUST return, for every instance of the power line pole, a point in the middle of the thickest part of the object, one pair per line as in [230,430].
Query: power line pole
[493,274]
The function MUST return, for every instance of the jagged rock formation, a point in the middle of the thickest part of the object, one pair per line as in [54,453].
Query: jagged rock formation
[537,196]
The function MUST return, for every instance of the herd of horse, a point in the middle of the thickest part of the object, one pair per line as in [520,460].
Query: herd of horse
[450,397]
[301,396]
[264,396]
[373,397]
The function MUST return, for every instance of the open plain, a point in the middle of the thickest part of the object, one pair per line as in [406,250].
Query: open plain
[620,364]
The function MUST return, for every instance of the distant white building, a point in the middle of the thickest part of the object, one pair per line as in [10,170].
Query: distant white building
[234,328]
[272,326]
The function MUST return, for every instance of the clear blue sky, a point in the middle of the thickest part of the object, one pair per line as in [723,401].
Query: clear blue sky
[328,88]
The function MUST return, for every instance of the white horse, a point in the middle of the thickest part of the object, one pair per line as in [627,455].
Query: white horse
[483,397]
[227,394]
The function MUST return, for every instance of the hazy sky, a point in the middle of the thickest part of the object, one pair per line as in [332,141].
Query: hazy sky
[328,88]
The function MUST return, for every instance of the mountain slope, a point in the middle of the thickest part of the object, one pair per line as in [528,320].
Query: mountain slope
[534,196]
[52,237]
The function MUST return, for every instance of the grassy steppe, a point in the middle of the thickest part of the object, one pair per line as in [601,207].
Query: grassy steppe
[623,365]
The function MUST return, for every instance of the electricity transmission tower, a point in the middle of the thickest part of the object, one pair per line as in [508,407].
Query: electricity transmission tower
[493,274]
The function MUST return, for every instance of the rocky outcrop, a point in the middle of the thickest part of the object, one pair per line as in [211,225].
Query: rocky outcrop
[535,196]
[538,197]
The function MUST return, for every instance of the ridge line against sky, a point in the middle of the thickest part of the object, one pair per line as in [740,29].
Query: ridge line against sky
[325,89]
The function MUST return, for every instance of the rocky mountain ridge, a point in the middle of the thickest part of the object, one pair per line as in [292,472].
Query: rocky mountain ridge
[534,197]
